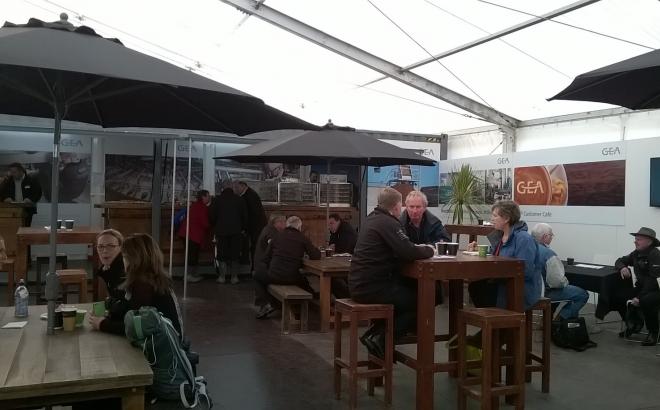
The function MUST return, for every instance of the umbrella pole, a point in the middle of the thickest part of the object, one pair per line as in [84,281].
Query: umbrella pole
[173,202]
[185,260]
[52,283]
[327,203]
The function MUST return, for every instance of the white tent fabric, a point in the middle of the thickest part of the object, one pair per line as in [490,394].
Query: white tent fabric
[296,76]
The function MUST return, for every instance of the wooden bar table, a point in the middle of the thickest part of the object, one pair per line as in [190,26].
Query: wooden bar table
[11,218]
[327,268]
[37,369]
[456,271]
[25,237]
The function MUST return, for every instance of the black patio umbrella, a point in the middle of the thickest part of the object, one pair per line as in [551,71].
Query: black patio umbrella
[338,145]
[633,83]
[55,70]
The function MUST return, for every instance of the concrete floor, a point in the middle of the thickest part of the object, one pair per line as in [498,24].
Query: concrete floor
[249,365]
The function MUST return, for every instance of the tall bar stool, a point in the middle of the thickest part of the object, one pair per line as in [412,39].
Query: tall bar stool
[74,277]
[60,259]
[377,368]
[491,321]
[7,265]
[534,362]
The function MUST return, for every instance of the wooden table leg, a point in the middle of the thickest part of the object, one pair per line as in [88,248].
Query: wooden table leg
[133,399]
[324,301]
[455,304]
[515,300]
[425,342]
[21,261]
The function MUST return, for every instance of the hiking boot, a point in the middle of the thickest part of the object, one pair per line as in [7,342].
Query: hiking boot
[222,278]
[375,344]
[265,310]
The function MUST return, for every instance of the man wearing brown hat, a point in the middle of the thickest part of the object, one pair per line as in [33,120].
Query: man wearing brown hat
[645,260]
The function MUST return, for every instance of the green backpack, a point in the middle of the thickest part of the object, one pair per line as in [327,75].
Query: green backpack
[174,378]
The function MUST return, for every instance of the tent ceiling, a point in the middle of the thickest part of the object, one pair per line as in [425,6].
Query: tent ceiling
[315,84]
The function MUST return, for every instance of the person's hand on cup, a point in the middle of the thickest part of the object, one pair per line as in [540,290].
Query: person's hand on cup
[635,301]
[472,246]
[95,321]
[625,273]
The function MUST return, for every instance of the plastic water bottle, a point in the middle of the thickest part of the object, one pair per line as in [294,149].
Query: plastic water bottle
[21,297]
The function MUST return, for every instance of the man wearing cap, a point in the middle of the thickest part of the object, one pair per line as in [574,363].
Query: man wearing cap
[645,260]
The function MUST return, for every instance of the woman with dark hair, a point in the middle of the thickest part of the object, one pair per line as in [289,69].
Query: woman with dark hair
[108,245]
[510,238]
[146,284]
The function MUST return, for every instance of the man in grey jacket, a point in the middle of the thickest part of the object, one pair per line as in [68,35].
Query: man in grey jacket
[557,287]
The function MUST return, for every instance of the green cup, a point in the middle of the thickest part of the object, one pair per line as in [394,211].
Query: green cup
[98,309]
[483,250]
[80,317]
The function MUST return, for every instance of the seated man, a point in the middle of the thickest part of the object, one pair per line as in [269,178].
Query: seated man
[375,275]
[645,259]
[554,279]
[284,257]
[342,235]
[276,224]
[420,225]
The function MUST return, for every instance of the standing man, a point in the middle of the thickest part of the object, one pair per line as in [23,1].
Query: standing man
[22,188]
[256,216]
[229,220]
[554,277]
[375,275]
[420,225]
[343,236]
[645,259]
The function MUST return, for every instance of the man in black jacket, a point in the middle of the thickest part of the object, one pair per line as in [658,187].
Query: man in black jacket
[256,215]
[422,226]
[645,259]
[284,257]
[228,216]
[276,224]
[21,187]
[375,275]
[343,236]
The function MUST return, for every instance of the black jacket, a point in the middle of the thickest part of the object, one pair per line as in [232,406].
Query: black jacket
[255,211]
[31,190]
[344,239]
[228,214]
[647,269]
[381,249]
[114,277]
[430,230]
[285,254]
[267,235]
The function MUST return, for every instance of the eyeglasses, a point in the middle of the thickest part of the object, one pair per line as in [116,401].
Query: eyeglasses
[106,247]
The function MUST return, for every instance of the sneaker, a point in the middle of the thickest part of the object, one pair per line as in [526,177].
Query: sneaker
[221,279]
[265,310]
[234,279]
[651,340]
[194,278]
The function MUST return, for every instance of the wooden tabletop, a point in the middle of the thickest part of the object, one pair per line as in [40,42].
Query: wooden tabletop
[465,267]
[37,367]
[328,265]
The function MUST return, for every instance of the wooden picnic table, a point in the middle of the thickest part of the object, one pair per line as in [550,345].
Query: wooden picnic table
[327,268]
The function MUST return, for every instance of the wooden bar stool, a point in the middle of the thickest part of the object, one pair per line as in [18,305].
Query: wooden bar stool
[60,259]
[74,277]
[491,321]
[7,265]
[534,362]
[376,368]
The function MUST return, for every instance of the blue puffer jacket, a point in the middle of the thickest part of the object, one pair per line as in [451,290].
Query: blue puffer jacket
[522,246]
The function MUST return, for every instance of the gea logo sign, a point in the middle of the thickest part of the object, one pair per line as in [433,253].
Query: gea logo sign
[502,161]
[529,187]
[69,142]
[610,151]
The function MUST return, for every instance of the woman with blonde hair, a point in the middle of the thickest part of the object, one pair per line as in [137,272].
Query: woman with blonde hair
[146,284]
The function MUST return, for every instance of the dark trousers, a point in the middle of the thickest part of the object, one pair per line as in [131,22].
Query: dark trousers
[229,248]
[483,293]
[403,296]
[614,297]
[650,304]
[193,253]
[262,280]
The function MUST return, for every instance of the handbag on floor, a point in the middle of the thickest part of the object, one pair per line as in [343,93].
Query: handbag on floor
[571,334]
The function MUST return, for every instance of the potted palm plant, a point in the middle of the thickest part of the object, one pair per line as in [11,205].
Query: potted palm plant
[466,196]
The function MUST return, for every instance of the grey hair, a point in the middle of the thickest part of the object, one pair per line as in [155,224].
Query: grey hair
[418,194]
[294,222]
[541,229]
[388,198]
[274,218]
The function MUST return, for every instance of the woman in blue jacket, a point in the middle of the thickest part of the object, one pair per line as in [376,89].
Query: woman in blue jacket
[511,239]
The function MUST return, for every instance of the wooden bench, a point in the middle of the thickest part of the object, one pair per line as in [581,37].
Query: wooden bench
[290,295]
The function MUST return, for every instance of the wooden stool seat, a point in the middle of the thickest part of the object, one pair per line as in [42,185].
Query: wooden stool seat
[74,277]
[534,362]
[7,265]
[377,368]
[492,321]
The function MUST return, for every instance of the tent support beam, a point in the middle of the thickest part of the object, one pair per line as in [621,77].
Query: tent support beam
[371,61]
